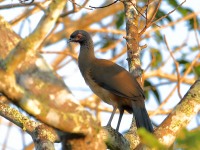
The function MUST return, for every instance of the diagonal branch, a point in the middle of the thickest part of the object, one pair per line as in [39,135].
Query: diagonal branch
[25,123]
[180,116]
[29,45]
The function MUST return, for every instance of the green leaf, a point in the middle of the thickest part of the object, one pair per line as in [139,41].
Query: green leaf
[158,37]
[188,140]
[183,11]
[120,19]
[191,22]
[182,61]
[150,140]
[173,3]
[148,84]
[195,48]
[156,58]
[161,13]
[197,71]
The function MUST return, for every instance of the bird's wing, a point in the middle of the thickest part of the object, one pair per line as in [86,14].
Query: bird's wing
[116,79]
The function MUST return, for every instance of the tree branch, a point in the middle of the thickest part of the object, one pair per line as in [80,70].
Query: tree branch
[180,116]
[42,93]
[29,45]
[31,127]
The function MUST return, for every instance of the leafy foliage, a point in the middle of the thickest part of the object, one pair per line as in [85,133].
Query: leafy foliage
[188,140]
[120,17]
[151,88]
[156,58]
[185,64]
[150,140]
[184,11]
[161,13]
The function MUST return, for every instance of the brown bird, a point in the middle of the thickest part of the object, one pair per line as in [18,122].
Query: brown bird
[111,82]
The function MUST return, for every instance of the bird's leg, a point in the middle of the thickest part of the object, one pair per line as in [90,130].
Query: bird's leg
[111,117]
[121,112]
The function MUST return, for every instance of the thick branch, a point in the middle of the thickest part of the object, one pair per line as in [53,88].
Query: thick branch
[26,124]
[114,140]
[180,116]
[29,45]
[132,37]
[43,94]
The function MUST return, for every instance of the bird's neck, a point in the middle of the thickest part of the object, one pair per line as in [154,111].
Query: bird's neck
[86,51]
[86,55]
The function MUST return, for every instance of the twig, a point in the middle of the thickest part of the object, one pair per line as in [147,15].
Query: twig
[181,79]
[147,5]
[195,31]
[75,9]
[184,43]
[150,22]
[189,16]
[106,30]
[105,5]
[124,50]
[80,5]
[149,65]
[49,35]
[147,88]
[63,53]
[62,65]
[111,46]
[28,12]
[16,5]
[90,102]
[176,66]
[169,12]
[171,77]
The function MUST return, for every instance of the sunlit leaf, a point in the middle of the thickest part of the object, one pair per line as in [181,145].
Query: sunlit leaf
[156,58]
[188,140]
[150,140]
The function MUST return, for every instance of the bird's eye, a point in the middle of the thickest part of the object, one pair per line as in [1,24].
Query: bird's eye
[79,36]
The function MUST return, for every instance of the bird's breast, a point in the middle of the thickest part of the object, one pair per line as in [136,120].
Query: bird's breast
[102,93]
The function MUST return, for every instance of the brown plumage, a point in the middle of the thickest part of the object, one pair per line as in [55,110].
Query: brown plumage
[111,82]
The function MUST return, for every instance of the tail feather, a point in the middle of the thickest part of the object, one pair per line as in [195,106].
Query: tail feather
[142,118]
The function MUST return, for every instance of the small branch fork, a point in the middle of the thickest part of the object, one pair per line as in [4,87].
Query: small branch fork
[148,22]
[151,21]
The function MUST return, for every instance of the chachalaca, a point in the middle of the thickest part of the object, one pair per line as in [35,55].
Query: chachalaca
[111,82]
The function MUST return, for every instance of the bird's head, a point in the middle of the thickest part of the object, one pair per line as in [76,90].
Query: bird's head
[79,36]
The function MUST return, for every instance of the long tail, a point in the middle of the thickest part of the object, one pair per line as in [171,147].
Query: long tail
[142,118]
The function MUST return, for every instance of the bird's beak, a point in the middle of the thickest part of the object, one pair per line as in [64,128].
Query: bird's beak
[69,40]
